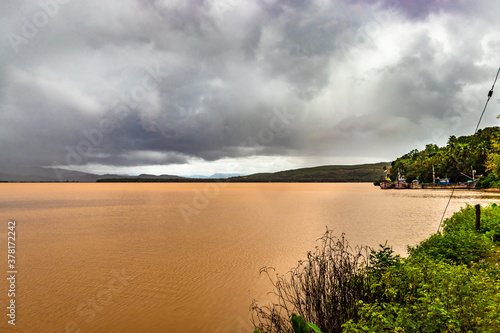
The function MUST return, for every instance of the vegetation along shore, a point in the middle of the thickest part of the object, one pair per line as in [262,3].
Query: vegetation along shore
[462,159]
[450,282]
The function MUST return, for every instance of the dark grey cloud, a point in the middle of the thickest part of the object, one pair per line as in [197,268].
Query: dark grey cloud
[422,8]
[141,83]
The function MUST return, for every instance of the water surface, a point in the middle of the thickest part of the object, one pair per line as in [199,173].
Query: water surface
[186,257]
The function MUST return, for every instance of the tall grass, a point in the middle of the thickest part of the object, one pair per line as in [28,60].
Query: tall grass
[324,289]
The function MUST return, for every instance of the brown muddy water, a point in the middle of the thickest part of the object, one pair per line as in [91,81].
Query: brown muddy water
[184,257]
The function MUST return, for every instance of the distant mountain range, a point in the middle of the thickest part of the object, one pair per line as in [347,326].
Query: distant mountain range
[327,173]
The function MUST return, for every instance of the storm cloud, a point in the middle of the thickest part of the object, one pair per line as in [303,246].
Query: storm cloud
[176,86]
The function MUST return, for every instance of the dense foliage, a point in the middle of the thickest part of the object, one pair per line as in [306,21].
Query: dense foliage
[425,295]
[450,282]
[464,221]
[443,286]
[480,152]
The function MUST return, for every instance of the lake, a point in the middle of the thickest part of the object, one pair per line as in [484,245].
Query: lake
[172,257]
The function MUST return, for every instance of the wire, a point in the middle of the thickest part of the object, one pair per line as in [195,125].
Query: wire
[490,93]
[446,208]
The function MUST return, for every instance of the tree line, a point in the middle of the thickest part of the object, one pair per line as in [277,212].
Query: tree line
[457,160]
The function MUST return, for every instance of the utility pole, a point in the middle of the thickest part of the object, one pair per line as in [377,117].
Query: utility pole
[478,217]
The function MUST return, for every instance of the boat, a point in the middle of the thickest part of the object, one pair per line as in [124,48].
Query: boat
[445,184]
[386,184]
[415,184]
[400,183]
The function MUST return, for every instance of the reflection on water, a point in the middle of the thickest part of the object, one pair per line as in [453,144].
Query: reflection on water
[186,257]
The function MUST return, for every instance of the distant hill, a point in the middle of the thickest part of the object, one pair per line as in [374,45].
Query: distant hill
[40,174]
[326,173]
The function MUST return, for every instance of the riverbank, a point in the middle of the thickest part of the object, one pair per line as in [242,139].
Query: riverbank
[491,189]
[450,282]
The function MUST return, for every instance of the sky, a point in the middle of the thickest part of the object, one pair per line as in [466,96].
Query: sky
[239,86]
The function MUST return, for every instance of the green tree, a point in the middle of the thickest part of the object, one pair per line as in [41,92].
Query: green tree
[493,157]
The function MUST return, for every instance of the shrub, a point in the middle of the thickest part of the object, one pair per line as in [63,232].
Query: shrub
[432,296]
[382,260]
[437,289]
[324,289]
[460,246]
[465,219]
[491,180]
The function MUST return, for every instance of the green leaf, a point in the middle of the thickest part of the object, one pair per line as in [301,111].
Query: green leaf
[299,324]
[314,327]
